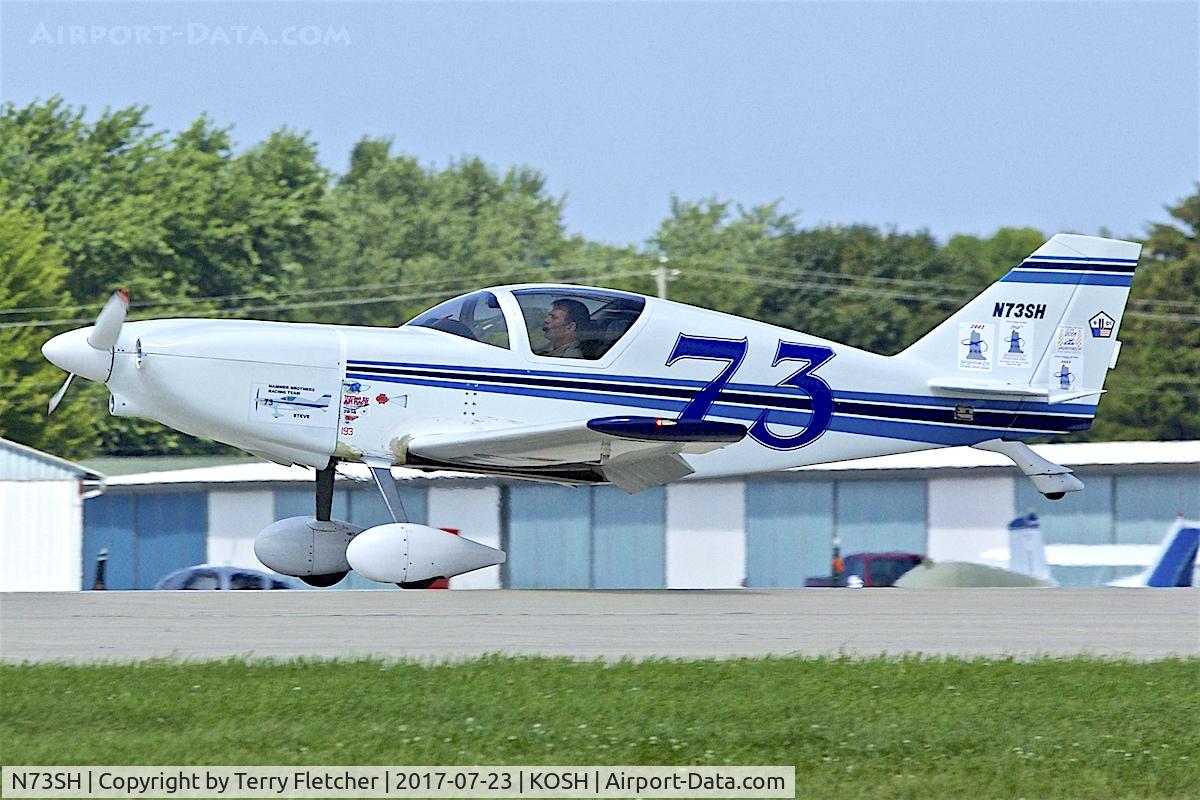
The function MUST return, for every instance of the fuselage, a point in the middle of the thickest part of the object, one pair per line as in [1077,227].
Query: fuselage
[304,393]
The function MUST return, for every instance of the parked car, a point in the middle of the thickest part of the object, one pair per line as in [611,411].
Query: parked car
[207,577]
[869,570]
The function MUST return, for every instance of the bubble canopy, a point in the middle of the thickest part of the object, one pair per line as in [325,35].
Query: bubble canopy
[476,316]
[599,318]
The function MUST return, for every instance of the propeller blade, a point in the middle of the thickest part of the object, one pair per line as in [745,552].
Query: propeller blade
[109,321]
[58,396]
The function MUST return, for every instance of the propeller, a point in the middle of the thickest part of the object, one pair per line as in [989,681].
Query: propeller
[60,394]
[91,358]
[109,320]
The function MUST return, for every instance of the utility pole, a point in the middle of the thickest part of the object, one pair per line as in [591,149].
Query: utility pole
[662,275]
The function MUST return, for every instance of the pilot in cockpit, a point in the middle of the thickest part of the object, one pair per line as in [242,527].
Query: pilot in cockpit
[563,329]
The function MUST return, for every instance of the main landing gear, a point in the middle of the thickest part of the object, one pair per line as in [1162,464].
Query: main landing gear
[321,551]
[324,513]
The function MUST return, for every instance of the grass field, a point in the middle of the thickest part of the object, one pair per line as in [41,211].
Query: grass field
[854,728]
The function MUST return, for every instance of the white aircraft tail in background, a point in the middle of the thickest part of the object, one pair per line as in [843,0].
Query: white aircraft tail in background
[1176,563]
[1027,549]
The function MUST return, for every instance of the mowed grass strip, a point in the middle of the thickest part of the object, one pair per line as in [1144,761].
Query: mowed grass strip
[907,727]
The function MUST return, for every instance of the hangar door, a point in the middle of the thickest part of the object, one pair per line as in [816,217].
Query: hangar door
[789,525]
[147,536]
[881,515]
[587,538]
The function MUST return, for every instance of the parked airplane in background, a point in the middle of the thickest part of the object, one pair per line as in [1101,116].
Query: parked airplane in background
[1176,562]
[1171,564]
[581,386]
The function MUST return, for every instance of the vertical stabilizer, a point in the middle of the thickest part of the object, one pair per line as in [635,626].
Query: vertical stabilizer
[1176,563]
[1027,550]
[1046,331]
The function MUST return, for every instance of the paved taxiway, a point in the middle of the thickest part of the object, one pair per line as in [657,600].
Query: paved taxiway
[122,626]
[441,625]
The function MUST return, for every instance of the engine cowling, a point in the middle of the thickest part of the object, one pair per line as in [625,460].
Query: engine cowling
[404,552]
[304,546]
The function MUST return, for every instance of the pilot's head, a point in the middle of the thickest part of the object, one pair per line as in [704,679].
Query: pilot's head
[563,322]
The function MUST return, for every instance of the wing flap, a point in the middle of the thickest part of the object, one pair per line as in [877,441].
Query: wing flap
[635,474]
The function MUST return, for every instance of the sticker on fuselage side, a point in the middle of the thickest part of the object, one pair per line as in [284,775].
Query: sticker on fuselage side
[1068,340]
[292,404]
[1102,326]
[1019,310]
[976,346]
[1066,373]
[358,397]
[1016,344]
[357,404]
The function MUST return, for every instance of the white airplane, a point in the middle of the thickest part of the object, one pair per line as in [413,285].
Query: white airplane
[1167,565]
[1175,565]
[581,386]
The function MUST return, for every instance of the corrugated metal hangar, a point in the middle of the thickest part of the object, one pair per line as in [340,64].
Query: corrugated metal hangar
[768,531]
[41,519]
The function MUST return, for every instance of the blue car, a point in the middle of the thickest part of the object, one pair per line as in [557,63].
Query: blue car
[205,577]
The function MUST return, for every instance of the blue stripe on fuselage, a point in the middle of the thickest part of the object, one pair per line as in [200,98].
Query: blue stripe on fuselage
[651,385]
[899,422]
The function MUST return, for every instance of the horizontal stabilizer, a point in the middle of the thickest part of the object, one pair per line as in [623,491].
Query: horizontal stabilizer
[974,388]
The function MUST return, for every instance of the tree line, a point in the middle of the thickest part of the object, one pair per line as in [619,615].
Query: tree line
[193,227]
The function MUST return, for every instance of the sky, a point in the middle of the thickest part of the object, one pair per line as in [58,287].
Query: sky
[956,117]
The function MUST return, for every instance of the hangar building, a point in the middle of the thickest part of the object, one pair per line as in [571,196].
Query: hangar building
[764,531]
[41,519]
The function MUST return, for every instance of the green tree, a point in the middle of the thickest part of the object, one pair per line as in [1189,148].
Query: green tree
[976,262]
[1154,393]
[31,276]
[180,222]
[856,285]
[402,236]
[724,255]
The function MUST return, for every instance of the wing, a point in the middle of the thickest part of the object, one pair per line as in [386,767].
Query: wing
[634,453]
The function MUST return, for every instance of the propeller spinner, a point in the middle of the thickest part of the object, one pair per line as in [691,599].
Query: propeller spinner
[88,351]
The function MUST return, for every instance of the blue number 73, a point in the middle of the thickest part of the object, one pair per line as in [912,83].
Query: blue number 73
[733,353]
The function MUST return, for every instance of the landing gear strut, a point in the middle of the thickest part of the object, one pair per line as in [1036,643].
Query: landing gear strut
[382,473]
[324,513]
[325,491]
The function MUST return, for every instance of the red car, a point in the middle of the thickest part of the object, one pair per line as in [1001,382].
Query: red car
[869,570]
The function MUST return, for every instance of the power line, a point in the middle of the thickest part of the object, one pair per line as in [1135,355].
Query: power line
[793,276]
[445,285]
[775,277]
[943,300]
[184,301]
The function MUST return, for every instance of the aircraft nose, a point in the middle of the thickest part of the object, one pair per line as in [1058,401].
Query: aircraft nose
[70,351]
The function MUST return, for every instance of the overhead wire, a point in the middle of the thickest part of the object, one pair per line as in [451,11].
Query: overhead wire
[772,276]
[444,286]
[904,288]
[289,292]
